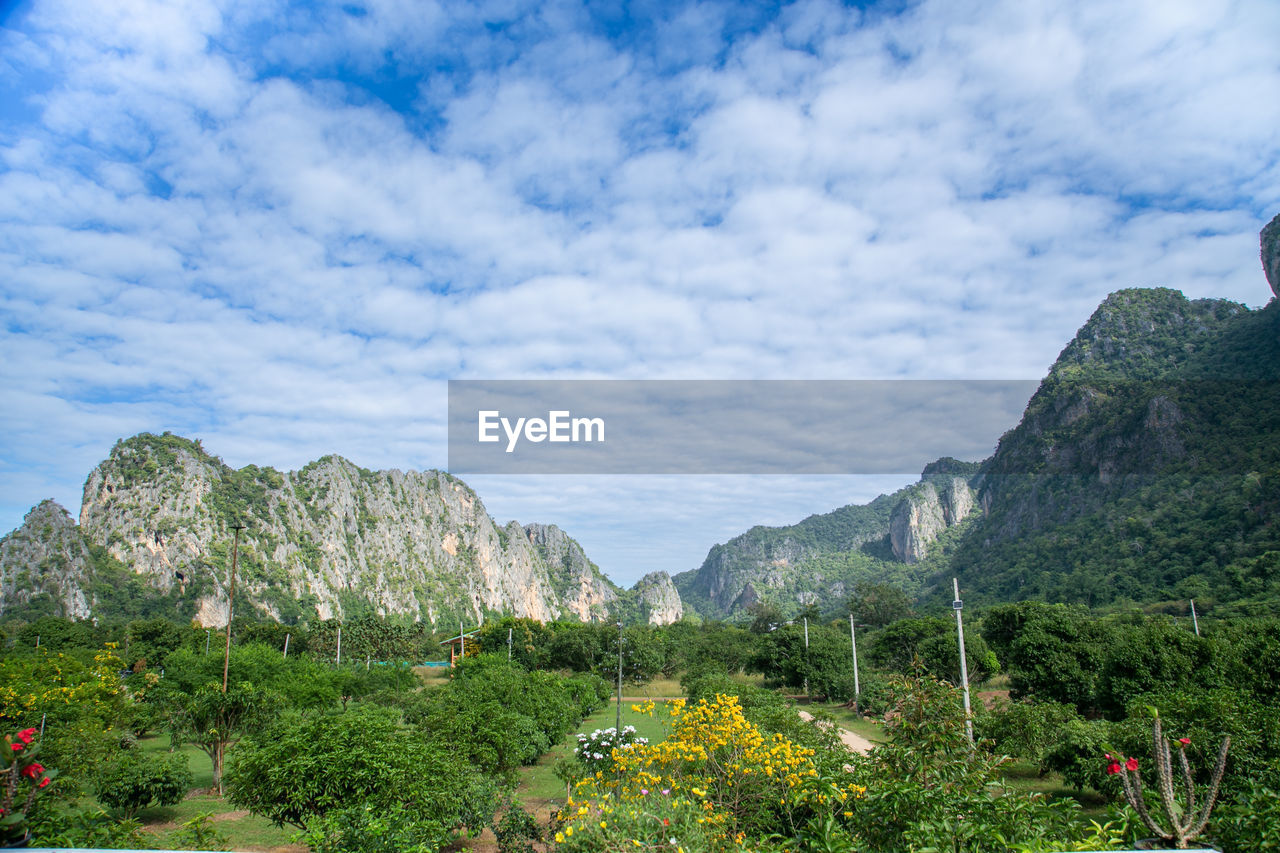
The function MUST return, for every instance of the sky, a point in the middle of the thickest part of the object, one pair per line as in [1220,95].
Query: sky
[282,227]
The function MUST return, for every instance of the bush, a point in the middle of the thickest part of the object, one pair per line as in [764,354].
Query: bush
[1026,729]
[1078,754]
[927,789]
[309,772]
[133,780]
[517,831]
[1250,822]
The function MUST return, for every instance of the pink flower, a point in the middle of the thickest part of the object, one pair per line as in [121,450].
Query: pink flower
[1131,764]
[1113,768]
[26,734]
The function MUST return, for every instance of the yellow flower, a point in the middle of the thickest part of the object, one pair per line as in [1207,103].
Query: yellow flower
[568,830]
[604,824]
[559,838]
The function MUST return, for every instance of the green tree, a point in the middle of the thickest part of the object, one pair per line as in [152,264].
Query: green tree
[878,604]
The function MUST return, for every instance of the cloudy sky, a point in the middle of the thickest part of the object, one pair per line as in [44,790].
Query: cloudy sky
[281,227]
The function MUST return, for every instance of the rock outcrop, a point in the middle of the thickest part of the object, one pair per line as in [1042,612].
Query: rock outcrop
[1270,239]
[925,512]
[46,558]
[659,600]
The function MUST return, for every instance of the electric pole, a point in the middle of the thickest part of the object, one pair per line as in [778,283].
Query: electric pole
[853,638]
[957,606]
[231,595]
[617,726]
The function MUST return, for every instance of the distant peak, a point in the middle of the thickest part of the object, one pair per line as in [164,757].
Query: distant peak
[1270,240]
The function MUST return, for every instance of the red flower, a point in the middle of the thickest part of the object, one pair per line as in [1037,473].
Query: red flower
[1131,764]
[26,734]
[666,822]
[32,770]
[17,747]
[1185,741]
[1113,769]
[1106,755]
[43,782]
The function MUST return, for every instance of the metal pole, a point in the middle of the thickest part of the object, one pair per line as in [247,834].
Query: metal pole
[231,595]
[853,638]
[338,659]
[1194,621]
[617,726]
[367,658]
[508,645]
[462,640]
[37,641]
[806,659]
[958,605]
[286,646]
[207,632]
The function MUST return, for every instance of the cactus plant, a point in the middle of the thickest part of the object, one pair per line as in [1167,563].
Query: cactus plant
[1185,820]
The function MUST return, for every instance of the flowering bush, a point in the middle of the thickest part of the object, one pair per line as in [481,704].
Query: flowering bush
[712,784]
[595,751]
[22,777]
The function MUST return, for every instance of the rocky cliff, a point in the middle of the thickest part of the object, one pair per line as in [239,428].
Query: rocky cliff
[818,560]
[1270,240]
[659,600]
[46,558]
[330,540]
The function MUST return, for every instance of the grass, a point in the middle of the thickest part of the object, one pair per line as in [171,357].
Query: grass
[845,718]
[538,783]
[241,830]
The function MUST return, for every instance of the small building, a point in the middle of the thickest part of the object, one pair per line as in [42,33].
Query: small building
[463,644]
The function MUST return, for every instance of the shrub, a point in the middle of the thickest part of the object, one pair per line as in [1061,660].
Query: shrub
[1026,729]
[517,831]
[1251,821]
[133,780]
[1077,753]
[309,772]
[716,764]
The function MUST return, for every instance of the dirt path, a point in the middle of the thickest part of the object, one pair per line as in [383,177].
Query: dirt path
[855,742]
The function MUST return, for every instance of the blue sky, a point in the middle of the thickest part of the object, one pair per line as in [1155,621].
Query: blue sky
[281,227]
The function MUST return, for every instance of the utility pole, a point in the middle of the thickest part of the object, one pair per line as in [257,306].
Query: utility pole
[338,658]
[806,659]
[957,605]
[286,646]
[231,597]
[617,726]
[508,645]
[853,638]
[1194,621]
[207,633]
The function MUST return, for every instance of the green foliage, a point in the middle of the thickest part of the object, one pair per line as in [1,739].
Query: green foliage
[133,780]
[1052,652]
[517,831]
[931,642]
[214,720]
[1077,753]
[928,790]
[1251,821]
[878,604]
[357,781]
[199,833]
[81,828]
[1026,729]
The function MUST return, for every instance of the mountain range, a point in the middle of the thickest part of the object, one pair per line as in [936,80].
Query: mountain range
[1146,469]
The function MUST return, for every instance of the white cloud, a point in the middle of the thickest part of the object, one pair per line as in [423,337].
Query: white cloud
[280,228]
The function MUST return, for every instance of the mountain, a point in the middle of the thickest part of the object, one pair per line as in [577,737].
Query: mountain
[899,537]
[330,540]
[1146,469]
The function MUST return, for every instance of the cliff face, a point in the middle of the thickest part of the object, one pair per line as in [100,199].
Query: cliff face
[46,558]
[659,599]
[330,540]
[924,513]
[818,560]
[1270,240]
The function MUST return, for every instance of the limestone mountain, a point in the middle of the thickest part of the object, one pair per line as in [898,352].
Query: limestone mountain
[817,561]
[330,540]
[1146,468]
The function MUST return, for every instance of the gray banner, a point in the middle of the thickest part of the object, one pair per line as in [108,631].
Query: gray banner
[726,426]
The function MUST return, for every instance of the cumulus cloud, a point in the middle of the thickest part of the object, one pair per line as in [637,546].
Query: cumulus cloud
[281,227]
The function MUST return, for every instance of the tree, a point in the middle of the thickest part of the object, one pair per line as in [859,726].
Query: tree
[878,604]
[214,720]
[335,774]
